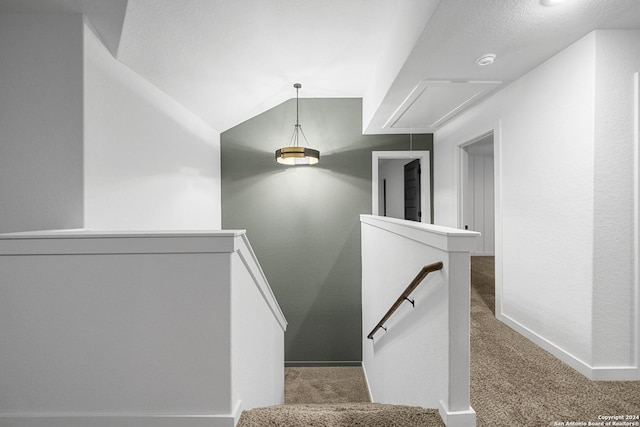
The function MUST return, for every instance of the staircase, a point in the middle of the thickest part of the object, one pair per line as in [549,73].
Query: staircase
[341,415]
[334,397]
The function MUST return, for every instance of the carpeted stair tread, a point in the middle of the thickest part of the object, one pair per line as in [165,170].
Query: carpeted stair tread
[322,384]
[341,415]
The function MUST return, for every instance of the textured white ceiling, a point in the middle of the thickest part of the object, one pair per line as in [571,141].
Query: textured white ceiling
[229,60]
[522,34]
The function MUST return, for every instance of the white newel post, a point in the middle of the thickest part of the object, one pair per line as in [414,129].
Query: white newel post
[430,342]
[457,412]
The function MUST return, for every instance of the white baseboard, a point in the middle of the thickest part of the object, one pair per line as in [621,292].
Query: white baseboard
[465,418]
[314,363]
[115,420]
[238,408]
[621,373]
[614,373]
[366,380]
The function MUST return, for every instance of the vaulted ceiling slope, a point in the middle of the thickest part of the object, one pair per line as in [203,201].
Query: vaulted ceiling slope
[229,60]
[412,61]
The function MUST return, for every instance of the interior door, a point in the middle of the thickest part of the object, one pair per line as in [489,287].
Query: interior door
[412,191]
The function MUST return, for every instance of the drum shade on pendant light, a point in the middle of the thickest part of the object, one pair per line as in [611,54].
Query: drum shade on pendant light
[294,154]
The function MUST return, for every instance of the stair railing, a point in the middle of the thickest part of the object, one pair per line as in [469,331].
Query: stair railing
[405,295]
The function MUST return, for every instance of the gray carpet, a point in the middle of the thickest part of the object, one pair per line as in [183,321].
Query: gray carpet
[340,415]
[516,383]
[339,384]
[334,396]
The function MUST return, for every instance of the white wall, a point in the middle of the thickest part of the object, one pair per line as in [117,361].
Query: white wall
[40,121]
[617,59]
[87,142]
[149,163]
[563,198]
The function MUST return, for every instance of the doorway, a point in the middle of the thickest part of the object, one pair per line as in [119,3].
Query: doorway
[412,172]
[489,140]
[388,194]
[477,192]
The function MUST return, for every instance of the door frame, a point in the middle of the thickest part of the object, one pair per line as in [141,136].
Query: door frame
[425,178]
[465,204]
[463,172]
[474,135]
[636,218]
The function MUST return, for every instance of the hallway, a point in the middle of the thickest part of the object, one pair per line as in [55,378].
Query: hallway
[515,382]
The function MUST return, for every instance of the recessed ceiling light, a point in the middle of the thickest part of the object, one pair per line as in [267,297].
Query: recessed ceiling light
[550,2]
[487,59]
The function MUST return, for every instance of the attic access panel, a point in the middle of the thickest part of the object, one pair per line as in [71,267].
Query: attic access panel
[432,102]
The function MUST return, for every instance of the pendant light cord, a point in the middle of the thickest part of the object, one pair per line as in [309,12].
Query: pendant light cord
[297,86]
[297,128]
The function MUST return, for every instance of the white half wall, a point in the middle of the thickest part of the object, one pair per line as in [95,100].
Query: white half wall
[150,164]
[115,333]
[257,335]
[421,356]
[41,178]
[149,329]
[563,186]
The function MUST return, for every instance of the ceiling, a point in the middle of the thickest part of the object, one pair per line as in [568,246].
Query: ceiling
[412,61]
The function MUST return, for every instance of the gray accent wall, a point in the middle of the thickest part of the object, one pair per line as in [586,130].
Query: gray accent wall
[303,221]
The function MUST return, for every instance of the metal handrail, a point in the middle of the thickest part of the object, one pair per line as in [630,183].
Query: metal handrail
[405,295]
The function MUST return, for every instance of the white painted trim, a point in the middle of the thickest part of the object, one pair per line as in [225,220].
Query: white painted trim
[83,233]
[465,418]
[498,236]
[119,420]
[70,242]
[425,178]
[547,345]
[463,169]
[486,86]
[472,136]
[237,411]
[636,218]
[613,373]
[250,261]
[438,236]
[300,363]
[366,380]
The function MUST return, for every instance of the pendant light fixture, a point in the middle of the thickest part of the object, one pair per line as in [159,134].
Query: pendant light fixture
[294,154]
